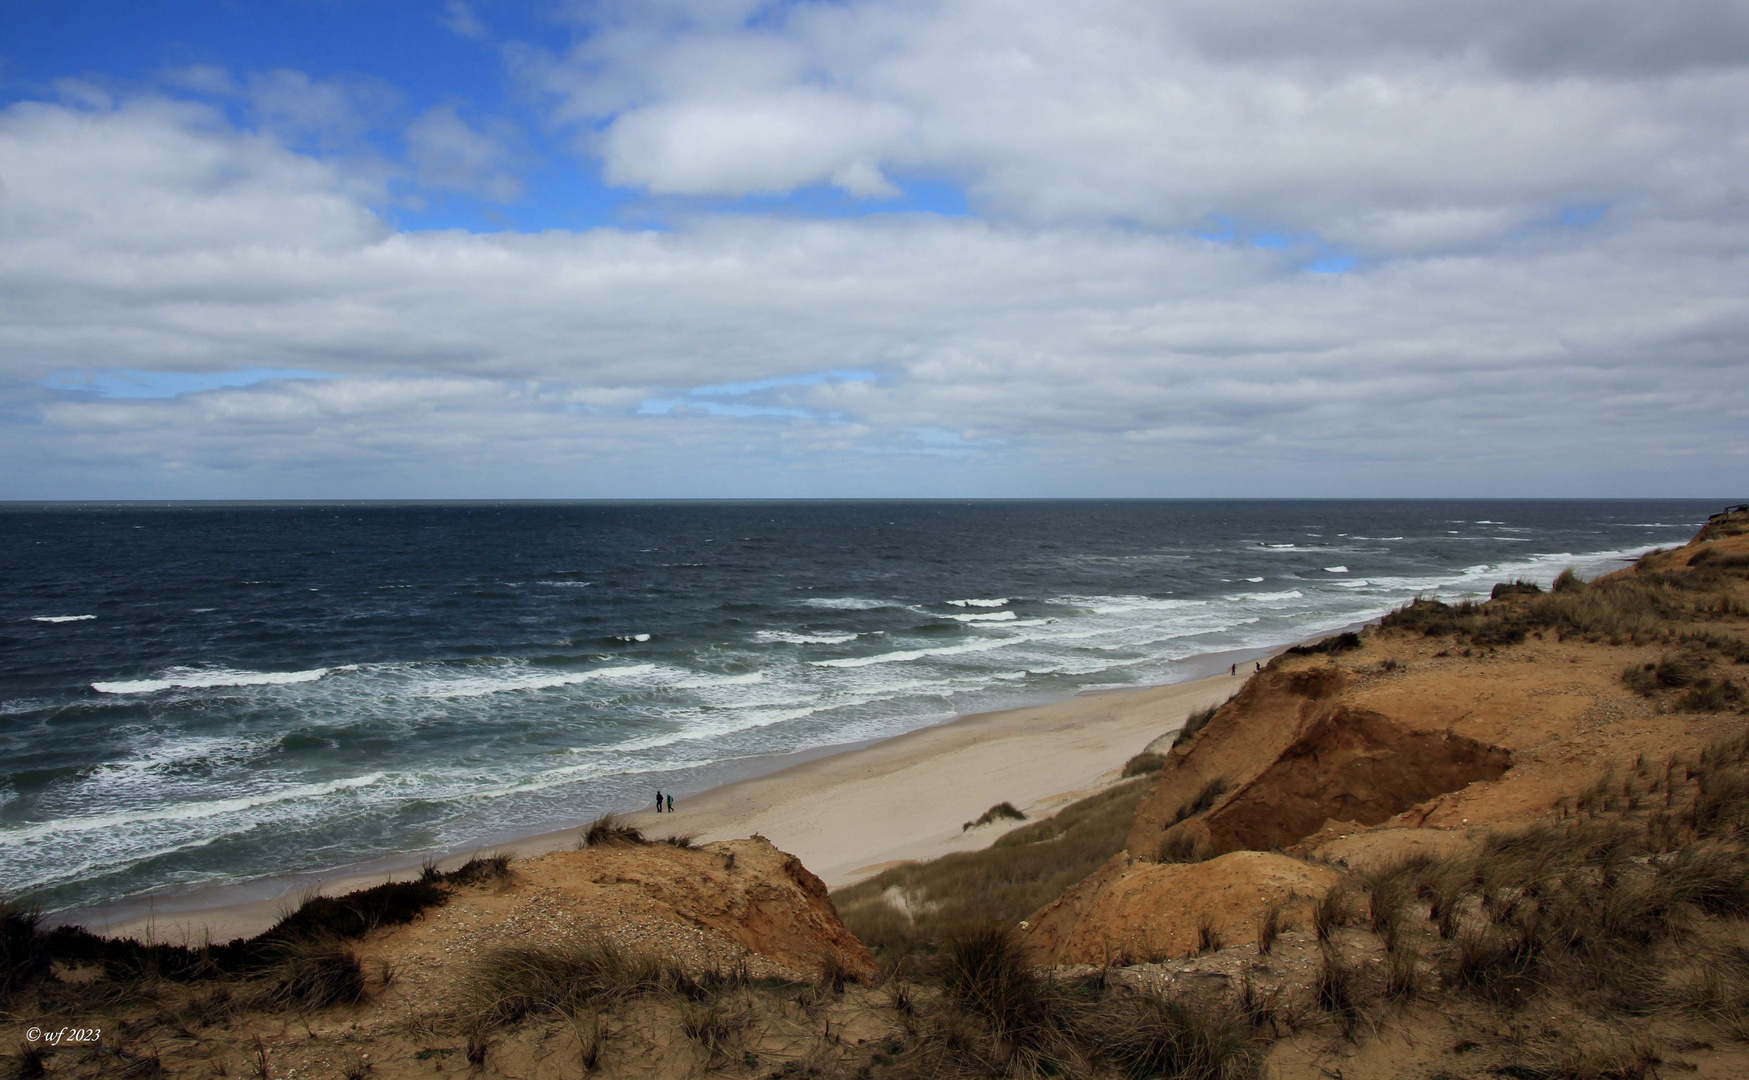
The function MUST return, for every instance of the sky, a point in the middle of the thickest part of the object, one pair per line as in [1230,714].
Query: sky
[304,249]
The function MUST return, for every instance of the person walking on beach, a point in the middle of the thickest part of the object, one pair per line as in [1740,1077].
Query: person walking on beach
[658,800]
[670,804]
[1235,669]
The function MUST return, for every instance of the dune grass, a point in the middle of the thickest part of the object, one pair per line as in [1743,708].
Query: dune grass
[1021,872]
[1646,606]
[1002,810]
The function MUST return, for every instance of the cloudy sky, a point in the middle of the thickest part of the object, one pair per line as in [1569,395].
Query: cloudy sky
[695,248]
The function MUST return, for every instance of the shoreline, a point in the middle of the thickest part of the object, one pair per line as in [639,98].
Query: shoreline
[226,909]
[1039,757]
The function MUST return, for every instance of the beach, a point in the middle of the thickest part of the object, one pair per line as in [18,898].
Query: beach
[848,815]
[853,814]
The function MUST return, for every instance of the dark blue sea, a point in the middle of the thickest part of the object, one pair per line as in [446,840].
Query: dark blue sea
[194,695]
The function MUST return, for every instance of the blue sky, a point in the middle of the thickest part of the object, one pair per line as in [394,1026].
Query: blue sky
[694,248]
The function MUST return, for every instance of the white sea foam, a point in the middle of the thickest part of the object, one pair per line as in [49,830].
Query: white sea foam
[1290,594]
[207,678]
[1336,569]
[567,584]
[1255,580]
[61,618]
[903,655]
[186,811]
[521,679]
[998,602]
[770,637]
[846,603]
[993,616]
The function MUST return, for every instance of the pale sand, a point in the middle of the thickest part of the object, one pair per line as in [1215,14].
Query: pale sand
[848,815]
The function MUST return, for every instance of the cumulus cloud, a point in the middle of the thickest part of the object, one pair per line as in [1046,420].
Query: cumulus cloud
[1548,244]
[1389,123]
[448,152]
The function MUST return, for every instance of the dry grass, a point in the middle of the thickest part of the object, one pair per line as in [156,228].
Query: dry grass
[1205,797]
[313,975]
[1001,811]
[1006,882]
[609,831]
[998,1015]
[1194,723]
[1143,764]
[508,984]
[1644,607]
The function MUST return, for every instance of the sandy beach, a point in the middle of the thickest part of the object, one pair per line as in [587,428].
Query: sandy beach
[847,815]
[850,815]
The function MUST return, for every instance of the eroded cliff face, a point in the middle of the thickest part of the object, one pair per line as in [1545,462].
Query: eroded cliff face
[1423,738]
[720,905]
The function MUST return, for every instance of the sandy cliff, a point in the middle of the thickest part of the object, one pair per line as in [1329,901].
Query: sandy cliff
[1418,736]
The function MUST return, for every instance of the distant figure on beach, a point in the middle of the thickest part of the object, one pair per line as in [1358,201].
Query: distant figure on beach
[658,800]
[1235,669]
[670,804]
[1259,665]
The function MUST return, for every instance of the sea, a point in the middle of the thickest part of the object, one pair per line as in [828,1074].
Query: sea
[252,695]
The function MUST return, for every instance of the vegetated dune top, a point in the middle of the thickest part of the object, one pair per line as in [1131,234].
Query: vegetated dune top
[1420,736]
[719,906]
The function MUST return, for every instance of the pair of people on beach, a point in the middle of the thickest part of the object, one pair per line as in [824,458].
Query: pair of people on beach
[659,802]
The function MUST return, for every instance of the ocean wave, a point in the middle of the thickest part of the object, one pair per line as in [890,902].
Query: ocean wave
[1290,594]
[61,618]
[845,603]
[783,637]
[469,686]
[207,678]
[992,616]
[1336,569]
[905,655]
[566,584]
[187,811]
[998,602]
[704,682]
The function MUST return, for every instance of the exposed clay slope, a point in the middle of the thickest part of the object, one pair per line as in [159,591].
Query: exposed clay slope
[1431,732]
[717,905]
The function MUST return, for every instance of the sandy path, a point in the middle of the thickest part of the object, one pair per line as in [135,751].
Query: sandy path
[848,815]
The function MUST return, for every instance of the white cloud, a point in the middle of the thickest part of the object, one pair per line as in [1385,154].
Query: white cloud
[1393,123]
[1077,339]
[446,151]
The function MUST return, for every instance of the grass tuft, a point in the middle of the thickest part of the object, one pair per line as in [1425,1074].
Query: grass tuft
[508,984]
[314,975]
[1001,810]
[1194,723]
[1205,797]
[609,831]
[1143,764]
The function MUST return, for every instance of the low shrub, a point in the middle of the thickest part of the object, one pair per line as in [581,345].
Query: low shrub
[1520,587]
[1339,643]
